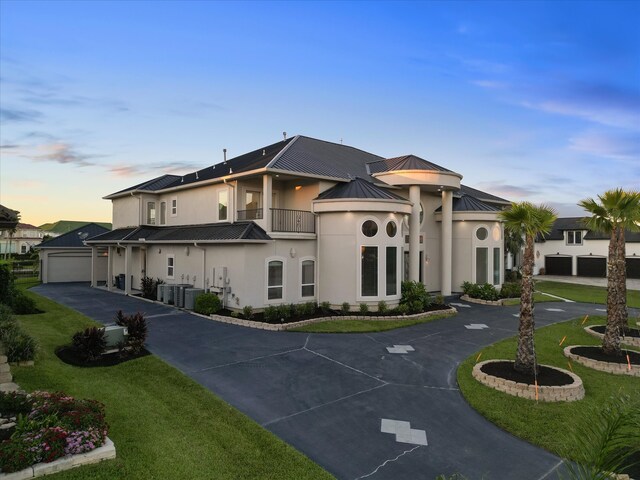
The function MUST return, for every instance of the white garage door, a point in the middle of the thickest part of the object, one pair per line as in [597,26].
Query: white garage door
[69,267]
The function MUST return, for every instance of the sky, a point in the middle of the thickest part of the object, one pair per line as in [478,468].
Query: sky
[536,101]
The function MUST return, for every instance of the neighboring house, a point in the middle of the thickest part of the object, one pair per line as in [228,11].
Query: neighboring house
[21,241]
[67,259]
[572,249]
[306,220]
[8,218]
[65,226]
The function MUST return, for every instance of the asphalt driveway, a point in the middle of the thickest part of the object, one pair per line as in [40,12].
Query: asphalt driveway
[328,394]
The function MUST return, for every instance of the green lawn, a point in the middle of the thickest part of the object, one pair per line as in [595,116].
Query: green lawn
[584,293]
[537,298]
[164,425]
[545,424]
[361,326]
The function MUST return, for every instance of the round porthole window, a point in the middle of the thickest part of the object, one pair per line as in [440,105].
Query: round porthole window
[369,228]
[482,233]
[392,229]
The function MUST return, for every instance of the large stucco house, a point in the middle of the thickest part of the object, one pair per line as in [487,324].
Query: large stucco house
[302,220]
[25,237]
[571,248]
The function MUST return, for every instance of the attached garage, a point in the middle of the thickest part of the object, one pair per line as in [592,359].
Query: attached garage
[633,267]
[67,259]
[592,266]
[558,265]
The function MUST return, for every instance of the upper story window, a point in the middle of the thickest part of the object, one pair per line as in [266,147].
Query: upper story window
[574,237]
[369,228]
[163,213]
[174,207]
[482,233]
[223,204]
[392,229]
[151,213]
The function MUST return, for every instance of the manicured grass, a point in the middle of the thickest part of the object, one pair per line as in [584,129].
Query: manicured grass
[163,424]
[545,424]
[537,298]
[584,293]
[355,326]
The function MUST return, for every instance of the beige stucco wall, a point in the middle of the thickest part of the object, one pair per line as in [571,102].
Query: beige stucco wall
[125,211]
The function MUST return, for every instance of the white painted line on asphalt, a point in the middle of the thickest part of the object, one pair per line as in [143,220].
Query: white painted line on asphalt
[403,432]
[400,349]
[554,310]
[163,314]
[555,296]
[601,309]
[476,326]
[460,305]
[517,315]
[553,469]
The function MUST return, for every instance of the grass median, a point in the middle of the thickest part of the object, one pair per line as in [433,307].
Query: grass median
[584,293]
[164,425]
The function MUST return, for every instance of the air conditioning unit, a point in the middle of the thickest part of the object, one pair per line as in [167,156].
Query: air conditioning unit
[167,294]
[160,293]
[190,295]
[114,335]
[178,294]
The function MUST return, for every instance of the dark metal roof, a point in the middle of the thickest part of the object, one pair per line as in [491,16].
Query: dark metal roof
[190,233]
[75,238]
[318,157]
[157,183]
[406,162]
[480,195]
[358,189]
[466,203]
[577,223]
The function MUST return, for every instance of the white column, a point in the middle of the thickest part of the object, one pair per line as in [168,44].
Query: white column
[110,251]
[414,234]
[128,251]
[267,195]
[446,242]
[94,266]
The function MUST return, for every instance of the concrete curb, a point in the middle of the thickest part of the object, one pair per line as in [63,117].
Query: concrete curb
[564,393]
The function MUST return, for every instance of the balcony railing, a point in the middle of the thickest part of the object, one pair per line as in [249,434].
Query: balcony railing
[293,221]
[254,214]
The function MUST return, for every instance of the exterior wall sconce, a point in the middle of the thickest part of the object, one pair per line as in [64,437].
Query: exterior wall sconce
[159,251]
[186,251]
[298,187]
[292,253]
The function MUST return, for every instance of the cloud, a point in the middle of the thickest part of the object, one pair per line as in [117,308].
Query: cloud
[153,168]
[15,115]
[619,146]
[490,84]
[511,192]
[58,152]
[53,99]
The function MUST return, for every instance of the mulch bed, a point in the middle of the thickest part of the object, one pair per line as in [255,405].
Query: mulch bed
[319,313]
[596,353]
[631,332]
[70,356]
[546,376]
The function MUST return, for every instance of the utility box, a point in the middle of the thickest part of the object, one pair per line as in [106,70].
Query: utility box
[190,295]
[114,335]
[219,277]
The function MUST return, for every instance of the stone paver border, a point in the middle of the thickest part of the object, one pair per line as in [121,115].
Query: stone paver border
[277,327]
[105,452]
[496,303]
[564,393]
[633,341]
[608,367]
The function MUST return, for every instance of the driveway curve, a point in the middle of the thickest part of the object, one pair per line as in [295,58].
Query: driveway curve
[328,394]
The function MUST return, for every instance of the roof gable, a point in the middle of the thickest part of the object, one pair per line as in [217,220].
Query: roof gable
[75,238]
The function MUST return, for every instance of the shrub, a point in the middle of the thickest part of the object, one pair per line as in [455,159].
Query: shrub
[325,307]
[13,402]
[364,308]
[149,287]
[208,303]
[23,304]
[16,455]
[402,309]
[382,307]
[137,330]
[271,314]
[247,312]
[235,314]
[310,308]
[512,276]
[439,300]
[415,296]
[7,287]
[466,287]
[484,291]
[542,271]
[285,311]
[511,290]
[18,345]
[6,314]
[89,343]
[346,308]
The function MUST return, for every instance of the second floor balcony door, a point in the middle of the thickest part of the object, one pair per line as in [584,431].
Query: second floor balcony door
[253,205]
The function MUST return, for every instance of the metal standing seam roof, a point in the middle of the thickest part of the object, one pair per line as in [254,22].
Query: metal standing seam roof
[466,203]
[190,233]
[359,189]
[406,162]
[480,195]
[75,238]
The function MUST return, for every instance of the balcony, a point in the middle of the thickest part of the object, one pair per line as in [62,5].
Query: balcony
[254,214]
[292,221]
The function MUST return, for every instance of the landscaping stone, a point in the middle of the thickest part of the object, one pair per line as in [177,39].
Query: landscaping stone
[469,299]
[633,341]
[609,367]
[9,387]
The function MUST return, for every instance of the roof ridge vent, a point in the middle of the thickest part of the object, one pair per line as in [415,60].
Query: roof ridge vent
[197,176]
[181,179]
[264,152]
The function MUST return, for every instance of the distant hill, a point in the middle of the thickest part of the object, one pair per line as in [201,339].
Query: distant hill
[64,226]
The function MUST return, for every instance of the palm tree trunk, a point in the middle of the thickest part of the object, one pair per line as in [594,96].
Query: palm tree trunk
[623,313]
[526,355]
[611,340]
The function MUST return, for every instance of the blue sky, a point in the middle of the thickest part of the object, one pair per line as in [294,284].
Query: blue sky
[530,101]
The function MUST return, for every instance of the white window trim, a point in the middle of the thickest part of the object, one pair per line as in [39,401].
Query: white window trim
[276,301]
[377,221]
[315,270]
[226,191]
[161,222]
[171,212]
[172,256]
[399,272]
[359,296]
[574,243]
[155,212]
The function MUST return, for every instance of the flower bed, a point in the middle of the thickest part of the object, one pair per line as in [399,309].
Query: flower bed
[633,338]
[47,427]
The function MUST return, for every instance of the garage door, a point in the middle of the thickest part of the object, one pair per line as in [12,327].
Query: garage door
[633,267]
[592,267]
[69,268]
[557,265]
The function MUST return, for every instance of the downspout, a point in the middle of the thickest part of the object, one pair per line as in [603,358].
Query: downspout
[204,263]
[317,269]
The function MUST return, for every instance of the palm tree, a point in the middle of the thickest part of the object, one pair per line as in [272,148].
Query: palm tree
[618,210]
[513,243]
[528,220]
